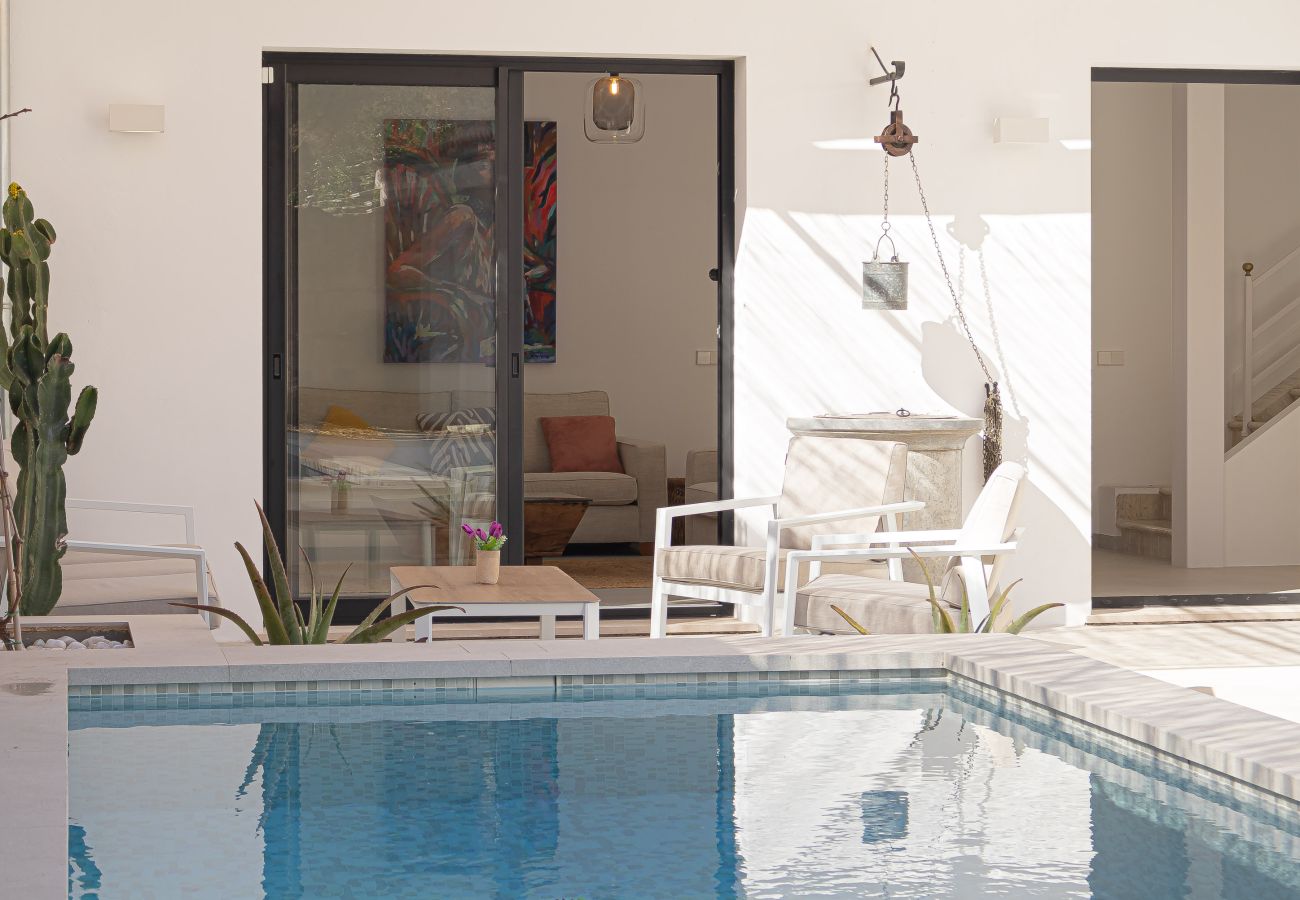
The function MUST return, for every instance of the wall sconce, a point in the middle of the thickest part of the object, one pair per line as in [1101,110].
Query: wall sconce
[615,112]
[1011,130]
[135,118]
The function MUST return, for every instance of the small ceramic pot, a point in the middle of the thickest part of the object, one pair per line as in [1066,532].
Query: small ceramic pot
[487,565]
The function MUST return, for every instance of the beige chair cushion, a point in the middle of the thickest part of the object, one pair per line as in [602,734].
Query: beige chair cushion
[601,488]
[738,568]
[91,578]
[880,606]
[825,474]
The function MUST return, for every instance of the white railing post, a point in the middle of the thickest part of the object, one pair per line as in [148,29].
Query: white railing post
[1247,348]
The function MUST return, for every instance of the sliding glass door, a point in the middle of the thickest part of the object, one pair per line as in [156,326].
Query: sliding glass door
[387,383]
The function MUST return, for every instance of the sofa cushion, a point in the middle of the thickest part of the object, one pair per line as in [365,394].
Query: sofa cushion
[704,492]
[460,438]
[739,568]
[826,474]
[387,410]
[581,443]
[537,457]
[601,488]
[880,606]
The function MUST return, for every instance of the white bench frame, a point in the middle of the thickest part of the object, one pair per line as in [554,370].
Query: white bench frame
[186,513]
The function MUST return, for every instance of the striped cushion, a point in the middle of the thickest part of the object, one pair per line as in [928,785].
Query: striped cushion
[462,437]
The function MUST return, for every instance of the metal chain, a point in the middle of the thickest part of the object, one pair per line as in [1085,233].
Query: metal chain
[943,267]
[884,225]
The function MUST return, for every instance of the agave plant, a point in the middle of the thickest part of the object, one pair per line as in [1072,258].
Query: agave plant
[944,622]
[282,618]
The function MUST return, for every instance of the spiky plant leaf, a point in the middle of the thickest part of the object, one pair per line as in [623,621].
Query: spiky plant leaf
[227,614]
[276,633]
[1018,624]
[852,621]
[283,598]
[381,630]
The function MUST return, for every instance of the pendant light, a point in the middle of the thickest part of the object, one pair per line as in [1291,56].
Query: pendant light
[615,110]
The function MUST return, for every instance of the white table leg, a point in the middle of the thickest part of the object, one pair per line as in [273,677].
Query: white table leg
[590,621]
[548,628]
[424,628]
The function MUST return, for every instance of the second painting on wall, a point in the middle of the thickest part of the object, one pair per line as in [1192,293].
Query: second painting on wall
[440,233]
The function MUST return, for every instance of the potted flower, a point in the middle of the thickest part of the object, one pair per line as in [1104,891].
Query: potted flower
[487,555]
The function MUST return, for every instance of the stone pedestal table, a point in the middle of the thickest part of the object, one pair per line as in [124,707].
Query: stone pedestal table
[934,463]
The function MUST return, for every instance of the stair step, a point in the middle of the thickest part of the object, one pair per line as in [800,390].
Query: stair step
[1295,393]
[1234,424]
[1147,526]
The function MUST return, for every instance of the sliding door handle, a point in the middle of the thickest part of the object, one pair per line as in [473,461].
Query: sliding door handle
[277,366]
[514,365]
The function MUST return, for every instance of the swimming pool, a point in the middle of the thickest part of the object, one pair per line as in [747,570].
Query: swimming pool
[918,787]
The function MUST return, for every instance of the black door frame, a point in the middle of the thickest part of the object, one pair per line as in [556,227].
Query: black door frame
[506,73]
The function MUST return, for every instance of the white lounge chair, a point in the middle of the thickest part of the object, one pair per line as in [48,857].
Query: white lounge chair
[106,578]
[830,484]
[956,559]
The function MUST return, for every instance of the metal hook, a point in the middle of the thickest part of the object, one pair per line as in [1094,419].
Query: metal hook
[899,68]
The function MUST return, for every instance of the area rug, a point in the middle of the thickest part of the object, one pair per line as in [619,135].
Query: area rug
[596,572]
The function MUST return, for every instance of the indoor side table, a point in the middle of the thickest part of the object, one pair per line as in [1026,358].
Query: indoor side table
[542,591]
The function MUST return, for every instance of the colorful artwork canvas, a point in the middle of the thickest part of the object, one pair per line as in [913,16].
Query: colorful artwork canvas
[541,187]
[439,237]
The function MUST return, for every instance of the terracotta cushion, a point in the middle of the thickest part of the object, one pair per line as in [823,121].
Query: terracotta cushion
[581,443]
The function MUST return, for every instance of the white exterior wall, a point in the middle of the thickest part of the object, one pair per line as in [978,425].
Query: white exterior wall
[157,272]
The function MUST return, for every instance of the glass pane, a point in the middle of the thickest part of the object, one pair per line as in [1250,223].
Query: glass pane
[392,437]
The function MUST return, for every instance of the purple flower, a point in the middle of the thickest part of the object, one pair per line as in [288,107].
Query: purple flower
[468,529]
[496,529]
[478,533]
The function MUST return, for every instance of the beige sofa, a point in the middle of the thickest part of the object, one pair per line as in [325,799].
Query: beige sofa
[623,505]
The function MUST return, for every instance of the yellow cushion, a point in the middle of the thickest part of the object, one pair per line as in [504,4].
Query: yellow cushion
[341,421]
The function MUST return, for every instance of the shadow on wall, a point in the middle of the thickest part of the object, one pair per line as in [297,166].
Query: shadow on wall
[1024,281]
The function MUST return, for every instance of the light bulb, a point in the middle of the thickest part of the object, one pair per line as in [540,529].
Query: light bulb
[613,85]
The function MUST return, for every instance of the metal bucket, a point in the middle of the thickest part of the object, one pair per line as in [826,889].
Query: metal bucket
[884,282]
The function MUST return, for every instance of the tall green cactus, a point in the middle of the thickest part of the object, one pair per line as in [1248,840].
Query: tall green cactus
[36,373]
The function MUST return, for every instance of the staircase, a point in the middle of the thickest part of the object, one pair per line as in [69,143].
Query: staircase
[1145,523]
[1265,379]
[1268,407]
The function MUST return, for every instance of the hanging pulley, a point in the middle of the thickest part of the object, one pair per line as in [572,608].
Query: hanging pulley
[896,138]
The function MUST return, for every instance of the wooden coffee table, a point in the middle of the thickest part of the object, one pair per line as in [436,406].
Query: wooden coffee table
[542,591]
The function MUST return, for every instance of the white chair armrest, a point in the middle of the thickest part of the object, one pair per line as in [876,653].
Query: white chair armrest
[869,553]
[694,509]
[886,537]
[198,555]
[860,512]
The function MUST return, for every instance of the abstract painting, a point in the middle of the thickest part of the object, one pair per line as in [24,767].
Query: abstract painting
[440,241]
[541,186]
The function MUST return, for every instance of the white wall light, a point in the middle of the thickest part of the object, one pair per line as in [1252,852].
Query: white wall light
[1076,143]
[1011,130]
[135,118]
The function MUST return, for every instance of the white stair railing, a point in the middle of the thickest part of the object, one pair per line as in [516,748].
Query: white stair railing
[1250,331]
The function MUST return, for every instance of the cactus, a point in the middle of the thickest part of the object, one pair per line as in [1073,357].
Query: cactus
[36,373]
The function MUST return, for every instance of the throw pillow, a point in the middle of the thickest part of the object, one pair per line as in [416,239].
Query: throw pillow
[360,437]
[581,443]
[461,438]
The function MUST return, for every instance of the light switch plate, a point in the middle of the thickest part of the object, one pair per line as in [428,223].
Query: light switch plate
[1110,357]
[706,357]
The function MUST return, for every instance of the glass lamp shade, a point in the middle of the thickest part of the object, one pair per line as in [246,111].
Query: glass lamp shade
[615,110]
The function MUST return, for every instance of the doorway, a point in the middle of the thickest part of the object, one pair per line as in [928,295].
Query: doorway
[405,392]
[1192,232]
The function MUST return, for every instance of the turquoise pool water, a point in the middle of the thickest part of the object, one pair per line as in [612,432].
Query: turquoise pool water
[906,788]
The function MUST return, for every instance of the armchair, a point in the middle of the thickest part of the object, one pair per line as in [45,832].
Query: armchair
[830,484]
[893,606]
